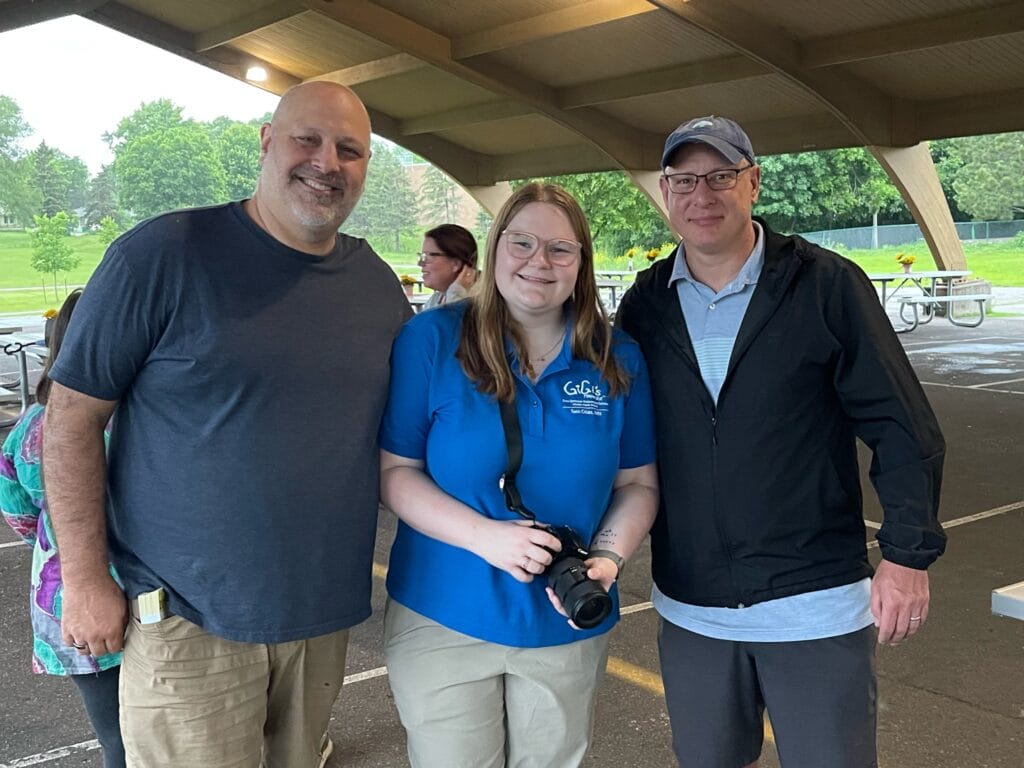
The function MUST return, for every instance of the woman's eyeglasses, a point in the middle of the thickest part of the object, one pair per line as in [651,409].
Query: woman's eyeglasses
[561,253]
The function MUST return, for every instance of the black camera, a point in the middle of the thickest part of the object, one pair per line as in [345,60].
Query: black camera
[584,599]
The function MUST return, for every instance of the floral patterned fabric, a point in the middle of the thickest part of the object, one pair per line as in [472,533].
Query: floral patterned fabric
[24,509]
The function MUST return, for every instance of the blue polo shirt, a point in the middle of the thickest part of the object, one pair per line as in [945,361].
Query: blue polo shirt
[575,439]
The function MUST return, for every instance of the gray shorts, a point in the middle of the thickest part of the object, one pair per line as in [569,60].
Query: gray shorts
[820,696]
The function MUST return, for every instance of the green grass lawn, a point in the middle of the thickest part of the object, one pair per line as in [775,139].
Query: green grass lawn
[1001,263]
[16,261]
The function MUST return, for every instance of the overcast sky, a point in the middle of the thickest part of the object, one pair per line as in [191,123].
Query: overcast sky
[74,80]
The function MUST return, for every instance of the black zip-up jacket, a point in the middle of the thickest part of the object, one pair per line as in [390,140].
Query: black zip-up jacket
[760,496]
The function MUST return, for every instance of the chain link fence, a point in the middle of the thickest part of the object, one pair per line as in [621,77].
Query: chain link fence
[908,234]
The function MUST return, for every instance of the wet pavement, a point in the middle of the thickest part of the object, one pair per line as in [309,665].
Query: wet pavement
[953,697]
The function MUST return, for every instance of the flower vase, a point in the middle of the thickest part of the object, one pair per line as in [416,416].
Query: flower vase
[408,290]
[906,269]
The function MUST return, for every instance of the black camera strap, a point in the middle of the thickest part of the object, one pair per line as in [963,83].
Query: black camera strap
[514,445]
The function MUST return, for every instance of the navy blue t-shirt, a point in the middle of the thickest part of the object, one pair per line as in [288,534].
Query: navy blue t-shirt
[243,459]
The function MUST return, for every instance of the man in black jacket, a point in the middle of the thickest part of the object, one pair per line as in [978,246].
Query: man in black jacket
[768,357]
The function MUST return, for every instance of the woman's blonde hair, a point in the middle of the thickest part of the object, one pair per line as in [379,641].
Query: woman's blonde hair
[488,322]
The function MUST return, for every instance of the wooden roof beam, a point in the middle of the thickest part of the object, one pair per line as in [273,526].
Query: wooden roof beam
[225,59]
[467,167]
[22,13]
[913,36]
[378,69]
[249,22]
[976,113]
[617,139]
[573,19]
[577,158]
[663,80]
[458,118]
[874,117]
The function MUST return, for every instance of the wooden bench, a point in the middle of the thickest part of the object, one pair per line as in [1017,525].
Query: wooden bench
[929,303]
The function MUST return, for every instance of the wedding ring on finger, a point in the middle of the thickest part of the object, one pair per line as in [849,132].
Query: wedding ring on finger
[79,646]
[526,562]
[915,618]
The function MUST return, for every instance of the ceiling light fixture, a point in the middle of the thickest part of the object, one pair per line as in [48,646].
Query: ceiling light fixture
[256,74]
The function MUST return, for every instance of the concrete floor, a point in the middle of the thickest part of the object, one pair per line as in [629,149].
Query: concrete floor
[953,697]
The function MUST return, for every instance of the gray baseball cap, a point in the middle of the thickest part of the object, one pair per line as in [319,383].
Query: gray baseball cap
[719,133]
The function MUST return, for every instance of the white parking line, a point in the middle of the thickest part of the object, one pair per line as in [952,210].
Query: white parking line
[952,340]
[6,546]
[53,754]
[971,518]
[994,383]
[358,677]
[969,388]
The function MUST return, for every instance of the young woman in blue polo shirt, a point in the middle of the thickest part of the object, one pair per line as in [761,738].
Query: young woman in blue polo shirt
[486,670]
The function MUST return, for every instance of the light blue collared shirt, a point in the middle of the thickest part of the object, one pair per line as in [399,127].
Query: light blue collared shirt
[713,322]
[713,319]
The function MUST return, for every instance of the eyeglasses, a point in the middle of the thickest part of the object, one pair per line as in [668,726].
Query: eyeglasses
[424,257]
[685,183]
[561,253]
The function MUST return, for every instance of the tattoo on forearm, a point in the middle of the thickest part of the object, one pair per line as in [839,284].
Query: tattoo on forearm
[605,539]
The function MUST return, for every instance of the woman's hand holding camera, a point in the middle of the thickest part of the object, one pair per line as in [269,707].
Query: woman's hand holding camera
[518,548]
[599,569]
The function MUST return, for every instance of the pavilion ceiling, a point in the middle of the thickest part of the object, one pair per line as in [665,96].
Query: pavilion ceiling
[498,90]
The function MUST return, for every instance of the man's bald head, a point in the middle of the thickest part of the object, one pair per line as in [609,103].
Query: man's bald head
[314,154]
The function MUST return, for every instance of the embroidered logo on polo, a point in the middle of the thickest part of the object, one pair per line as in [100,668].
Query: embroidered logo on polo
[584,397]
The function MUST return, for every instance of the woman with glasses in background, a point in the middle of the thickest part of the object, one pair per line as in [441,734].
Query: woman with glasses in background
[486,670]
[448,263]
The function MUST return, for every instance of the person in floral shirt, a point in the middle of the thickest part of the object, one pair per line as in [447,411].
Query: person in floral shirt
[23,504]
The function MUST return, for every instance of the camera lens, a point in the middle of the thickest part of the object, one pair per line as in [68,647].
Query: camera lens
[584,600]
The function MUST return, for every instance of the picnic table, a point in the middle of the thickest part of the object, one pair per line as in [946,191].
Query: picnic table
[1009,601]
[610,290]
[931,290]
[927,281]
[418,300]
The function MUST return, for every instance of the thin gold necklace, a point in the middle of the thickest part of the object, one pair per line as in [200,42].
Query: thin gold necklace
[558,341]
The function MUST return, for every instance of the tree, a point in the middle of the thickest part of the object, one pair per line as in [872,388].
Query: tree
[482,226]
[871,191]
[619,214]
[439,196]
[387,208]
[51,251]
[947,160]
[151,117]
[990,182]
[62,181]
[238,148]
[109,231]
[176,167]
[812,191]
[102,199]
[17,195]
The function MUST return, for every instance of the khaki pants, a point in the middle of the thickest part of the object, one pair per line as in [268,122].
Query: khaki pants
[190,699]
[467,703]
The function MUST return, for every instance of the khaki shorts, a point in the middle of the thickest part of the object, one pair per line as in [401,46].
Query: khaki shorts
[467,703]
[190,699]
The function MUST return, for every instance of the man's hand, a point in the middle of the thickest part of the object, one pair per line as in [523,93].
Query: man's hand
[899,601]
[94,617]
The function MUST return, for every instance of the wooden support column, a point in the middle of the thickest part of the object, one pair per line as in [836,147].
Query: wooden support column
[913,172]
[647,181]
[492,197]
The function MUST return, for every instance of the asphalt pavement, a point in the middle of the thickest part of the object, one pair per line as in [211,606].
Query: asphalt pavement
[952,697]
